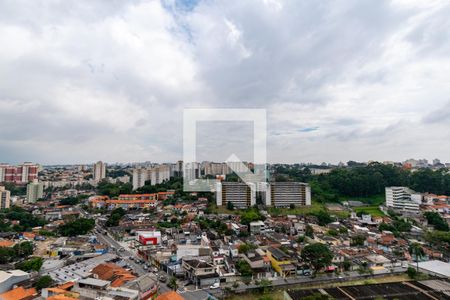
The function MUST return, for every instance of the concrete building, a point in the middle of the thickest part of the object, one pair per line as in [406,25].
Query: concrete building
[284,194]
[23,173]
[191,170]
[239,194]
[99,171]
[160,174]
[35,191]
[5,198]
[402,198]
[8,279]
[213,169]
[140,176]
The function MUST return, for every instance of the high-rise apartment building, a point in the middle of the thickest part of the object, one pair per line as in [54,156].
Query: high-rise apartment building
[5,198]
[285,194]
[239,194]
[99,171]
[160,174]
[191,170]
[278,194]
[21,174]
[35,191]
[403,198]
[140,176]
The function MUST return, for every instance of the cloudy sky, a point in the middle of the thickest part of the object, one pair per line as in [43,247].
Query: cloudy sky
[84,80]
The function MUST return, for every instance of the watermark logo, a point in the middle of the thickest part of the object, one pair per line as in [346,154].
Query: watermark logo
[191,168]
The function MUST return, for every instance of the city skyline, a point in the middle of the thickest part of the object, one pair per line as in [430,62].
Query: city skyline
[348,80]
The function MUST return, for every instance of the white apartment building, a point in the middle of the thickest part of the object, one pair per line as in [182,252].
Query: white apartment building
[191,170]
[140,176]
[240,194]
[403,198]
[5,198]
[35,191]
[99,171]
[160,174]
[285,194]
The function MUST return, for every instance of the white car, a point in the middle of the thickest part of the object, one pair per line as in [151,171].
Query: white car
[215,285]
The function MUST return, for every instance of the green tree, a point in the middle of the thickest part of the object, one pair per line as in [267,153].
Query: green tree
[251,215]
[417,251]
[43,282]
[358,240]
[323,217]
[412,273]
[230,205]
[436,220]
[264,285]
[347,265]
[245,248]
[69,201]
[309,231]
[23,249]
[78,227]
[244,268]
[32,264]
[115,217]
[6,255]
[317,255]
[333,232]
[173,283]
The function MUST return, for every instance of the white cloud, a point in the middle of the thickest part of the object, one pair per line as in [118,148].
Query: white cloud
[109,79]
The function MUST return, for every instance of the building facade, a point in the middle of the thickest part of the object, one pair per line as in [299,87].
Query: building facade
[285,194]
[402,198]
[140,176]
[99,171]
[35,191]
[21,174]
[5,198]
[239,194]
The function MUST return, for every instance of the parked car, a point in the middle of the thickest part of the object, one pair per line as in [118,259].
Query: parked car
[215,285]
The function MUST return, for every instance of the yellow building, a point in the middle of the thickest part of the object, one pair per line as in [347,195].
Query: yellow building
[281,262]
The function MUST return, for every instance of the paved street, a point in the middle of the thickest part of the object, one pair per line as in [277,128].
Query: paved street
[279,282]
[137,268]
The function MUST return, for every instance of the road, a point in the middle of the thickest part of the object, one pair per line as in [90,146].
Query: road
[125,255]
[293,281]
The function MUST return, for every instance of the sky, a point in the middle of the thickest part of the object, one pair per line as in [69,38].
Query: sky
[82,81]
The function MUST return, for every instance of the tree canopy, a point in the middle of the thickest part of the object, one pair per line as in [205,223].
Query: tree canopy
[317,255]
[78,227]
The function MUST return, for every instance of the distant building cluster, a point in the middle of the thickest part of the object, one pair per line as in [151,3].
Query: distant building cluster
[130,201]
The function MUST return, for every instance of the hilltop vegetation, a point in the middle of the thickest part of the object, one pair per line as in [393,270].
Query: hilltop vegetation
[365,181]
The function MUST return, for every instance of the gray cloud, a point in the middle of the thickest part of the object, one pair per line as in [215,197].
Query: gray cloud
[88,80]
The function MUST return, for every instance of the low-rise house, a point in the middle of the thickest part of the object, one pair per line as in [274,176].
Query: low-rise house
[19,293]
[92,288]
[118,276]
[376,261]
[145,285]
[257,227]
[200,272]
[260,264]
